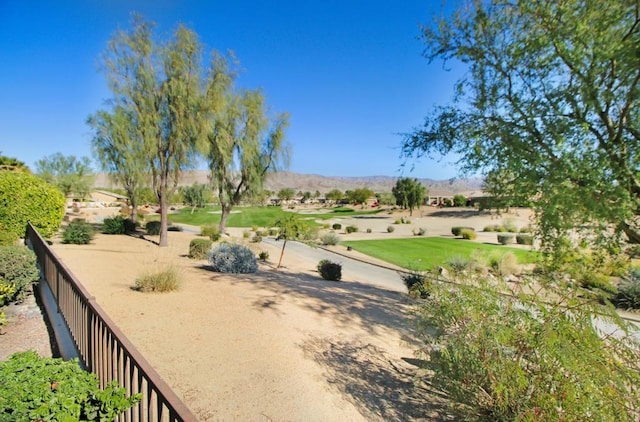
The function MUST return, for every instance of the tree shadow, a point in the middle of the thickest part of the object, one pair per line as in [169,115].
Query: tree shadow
[378,387]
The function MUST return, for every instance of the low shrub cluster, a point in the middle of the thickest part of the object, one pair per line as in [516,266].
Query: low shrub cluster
[210,231]
[18,272]
[77,232]
[153,228]
[118,225]
[34,388]
[524,239]
[369,230]
[503,264]
[336,226]
[330,239]
[263,256]
[390,229]
[198,248]
[350,229]
[418,285]
[468,234]
[233,258]
[331,271]
[505,238]
[419,231]
[165,280]
[402,220]
[457,230]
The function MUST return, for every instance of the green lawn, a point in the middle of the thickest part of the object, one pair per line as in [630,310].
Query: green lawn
[253,216]
[424,253]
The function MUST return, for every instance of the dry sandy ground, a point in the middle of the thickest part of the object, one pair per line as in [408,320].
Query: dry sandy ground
[281,344]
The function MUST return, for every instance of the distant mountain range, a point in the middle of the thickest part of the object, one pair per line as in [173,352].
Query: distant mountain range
[315,182]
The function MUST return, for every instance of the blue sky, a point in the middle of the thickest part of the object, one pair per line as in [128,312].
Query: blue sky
[349,72]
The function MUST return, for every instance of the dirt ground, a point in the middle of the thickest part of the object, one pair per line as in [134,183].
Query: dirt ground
[280,344]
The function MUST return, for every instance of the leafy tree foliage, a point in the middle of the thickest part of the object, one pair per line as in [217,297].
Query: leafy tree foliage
[244,144]
[409,193]
[158,86]
[27,198]
[290,228]
[360,195]
[286,194]
[196,195]
[73,176]
[119,148]
[550,96]
[12,164]
[334,195]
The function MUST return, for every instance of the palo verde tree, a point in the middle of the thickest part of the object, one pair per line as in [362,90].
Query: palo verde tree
[244,144]
[551,95]
[118,145]
[160,87]
[73,176]
[290,227]
[409,193]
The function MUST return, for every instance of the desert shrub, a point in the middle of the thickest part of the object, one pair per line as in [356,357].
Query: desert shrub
[503,264]
[330,270]
[457,230]
[398,221]
[628,295]
[118,225]
[500,360]
[309,233]
[273,231]
[509,225]
[526,229]
[27,198]
[390,229]
[336,226]
[419,232]
[165,280]
[210,231]
[198,248]
[351,229]
[263,256]
[417,283]
[406,221]
[524,239]
[233,258]
[51,389]
[501,229]
[254,228]
[18,269]
[77,232]
[593,280]
[491,228]
[330,239]
[468,234]
[369,230]
[505,239]
[256,239]
[153,228]
[457,264]
[262,233]
[246,234]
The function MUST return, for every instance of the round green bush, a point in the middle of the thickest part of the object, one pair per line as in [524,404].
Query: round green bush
[27,198]
[331,271]
[50,389]
[524,239]
[505,238]
[336,226]
[77,232]
[18,268]
[468,234]
[153,228]
[118,225]
[198,248]
[350,229]
[390,229]
[330,239]
[210,231]
[457,230]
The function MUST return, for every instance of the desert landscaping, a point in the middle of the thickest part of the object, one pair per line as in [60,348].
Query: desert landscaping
[280,344]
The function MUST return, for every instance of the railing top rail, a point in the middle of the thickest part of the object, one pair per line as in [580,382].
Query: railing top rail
[153,377]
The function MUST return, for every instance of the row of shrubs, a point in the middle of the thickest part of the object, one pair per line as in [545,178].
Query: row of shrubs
[506,227]
[80,232]
[523,238]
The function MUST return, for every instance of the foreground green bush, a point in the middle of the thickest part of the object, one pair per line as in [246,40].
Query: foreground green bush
[18,271]
[27,198]
[46,389]
[77,232]
[233,258]
[457,230]
[528,359]
[153,228]
[210,231]
[198,248]
[328,270]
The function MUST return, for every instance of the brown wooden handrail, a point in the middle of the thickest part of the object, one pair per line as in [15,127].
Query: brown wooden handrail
[102,346]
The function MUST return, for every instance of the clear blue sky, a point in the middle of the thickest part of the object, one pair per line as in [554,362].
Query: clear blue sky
[349,72]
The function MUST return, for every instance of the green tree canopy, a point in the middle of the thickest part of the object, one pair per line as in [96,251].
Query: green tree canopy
[334,195]
[286,194]
[196,196]
[12,164]
[551,96]
[360,195]
[73,176]
[409,193]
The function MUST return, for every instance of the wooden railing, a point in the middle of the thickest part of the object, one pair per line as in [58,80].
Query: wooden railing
[102,347]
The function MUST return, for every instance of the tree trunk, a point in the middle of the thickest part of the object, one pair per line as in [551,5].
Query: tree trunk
[224,214]
[632,233]
[134,210]
[282,252]
[164,217]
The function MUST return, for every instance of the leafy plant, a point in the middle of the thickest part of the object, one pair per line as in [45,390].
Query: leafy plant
[468,234]
[628,295]
[524,239]
[77,232]
[419,232]
[263,256]
[330,270]
[457,230]
[153,228]
[505,239]
[351,229]
[390,229]
[417,283]
[503,264]
[369,230]
[118,225]
[165,280]
[27,198]
[233,258]
[336,226]
[491,228]
[210,231]
[35,388]
[532,358]
[199,248]
[256,239]
[331,239]
[19,270]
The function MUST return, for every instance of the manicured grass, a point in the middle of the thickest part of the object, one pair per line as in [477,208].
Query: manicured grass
[252,216]
[428,252]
